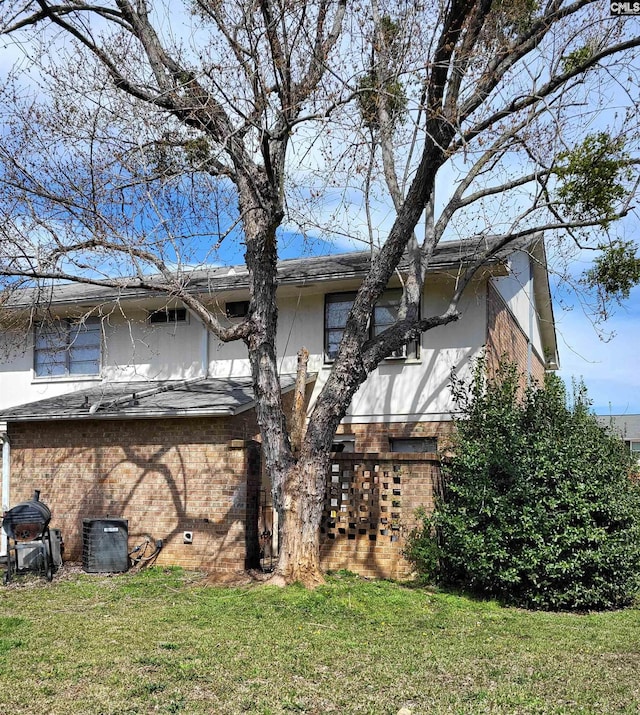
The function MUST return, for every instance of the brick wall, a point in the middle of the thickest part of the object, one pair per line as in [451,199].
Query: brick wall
[200,475]
[165,476]
[506,339]
[376,437]
[203,475]
[370,508]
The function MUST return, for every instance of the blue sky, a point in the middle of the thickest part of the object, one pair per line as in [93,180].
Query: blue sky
[609,367]
[605,356]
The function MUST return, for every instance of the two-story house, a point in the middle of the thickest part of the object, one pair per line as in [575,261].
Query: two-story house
[121,404]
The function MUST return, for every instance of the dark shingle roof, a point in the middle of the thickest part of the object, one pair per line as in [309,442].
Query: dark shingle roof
[448,255]
[145,399]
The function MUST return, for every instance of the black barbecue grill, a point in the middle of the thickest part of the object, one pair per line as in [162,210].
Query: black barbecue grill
[29,542]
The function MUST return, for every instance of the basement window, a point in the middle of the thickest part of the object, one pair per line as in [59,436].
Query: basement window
[168,315]
[344,443]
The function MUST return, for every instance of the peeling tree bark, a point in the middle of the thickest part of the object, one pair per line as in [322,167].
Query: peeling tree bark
[298,413]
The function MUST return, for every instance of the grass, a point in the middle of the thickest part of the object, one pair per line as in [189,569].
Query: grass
[162,642]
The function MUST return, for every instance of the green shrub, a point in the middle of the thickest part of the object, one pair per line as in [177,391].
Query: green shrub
[537,507]
[421,547]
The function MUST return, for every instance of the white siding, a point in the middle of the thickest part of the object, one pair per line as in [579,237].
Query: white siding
[134,349]
[420,390]
[18,384]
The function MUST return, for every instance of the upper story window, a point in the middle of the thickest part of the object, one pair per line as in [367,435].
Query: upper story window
[336,311]
[385,312]
[237,308]
[67,347]
[168,315]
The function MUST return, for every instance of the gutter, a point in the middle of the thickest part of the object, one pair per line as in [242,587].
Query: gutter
[531,324]
[6,480]
[295,271]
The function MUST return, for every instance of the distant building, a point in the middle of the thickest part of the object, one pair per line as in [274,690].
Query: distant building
[628,427]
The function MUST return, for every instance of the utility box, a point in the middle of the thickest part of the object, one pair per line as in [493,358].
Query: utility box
[30,553]
[105,545]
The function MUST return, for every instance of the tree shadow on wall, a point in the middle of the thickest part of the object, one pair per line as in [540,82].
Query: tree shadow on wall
[161,487]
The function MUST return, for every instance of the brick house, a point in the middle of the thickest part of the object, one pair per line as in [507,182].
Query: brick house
[119,404]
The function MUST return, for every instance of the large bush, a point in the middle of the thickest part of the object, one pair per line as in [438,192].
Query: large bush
[537,507]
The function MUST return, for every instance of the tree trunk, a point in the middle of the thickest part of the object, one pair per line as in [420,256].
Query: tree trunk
[297,485]
[301,513]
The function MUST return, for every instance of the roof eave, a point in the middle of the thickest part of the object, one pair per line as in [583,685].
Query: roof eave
[544,303]
[235,278]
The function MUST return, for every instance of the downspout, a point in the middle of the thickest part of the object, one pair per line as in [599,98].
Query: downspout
[6,480]
[205,350]
[531,322]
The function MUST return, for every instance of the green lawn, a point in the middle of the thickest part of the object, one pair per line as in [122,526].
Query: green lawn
[162,642]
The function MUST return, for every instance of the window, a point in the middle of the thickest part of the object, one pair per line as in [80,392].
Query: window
[336,311]
[414,444]
[237,308]
[344,443]
[385,313]
[68,348]
[634,448]
[168,315]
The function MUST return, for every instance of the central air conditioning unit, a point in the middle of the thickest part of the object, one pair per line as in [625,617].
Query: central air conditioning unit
[105,545]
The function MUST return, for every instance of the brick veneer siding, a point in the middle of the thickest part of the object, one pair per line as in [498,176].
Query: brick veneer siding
[165,476]
[202,475]
[506,339]
[370,508]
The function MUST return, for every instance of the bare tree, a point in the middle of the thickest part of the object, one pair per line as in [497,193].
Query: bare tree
[137,132]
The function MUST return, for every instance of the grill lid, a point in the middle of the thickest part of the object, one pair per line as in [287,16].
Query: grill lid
[28,520]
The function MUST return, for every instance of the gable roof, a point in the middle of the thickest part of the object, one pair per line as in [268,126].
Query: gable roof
[200,397]
[449,255]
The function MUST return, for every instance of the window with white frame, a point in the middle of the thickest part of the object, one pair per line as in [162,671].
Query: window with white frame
[634,448]
[385,312]
[168,315]
[66,347]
